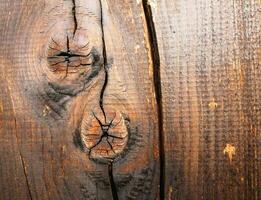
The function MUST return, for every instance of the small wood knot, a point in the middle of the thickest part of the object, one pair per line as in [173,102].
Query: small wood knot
[105,137]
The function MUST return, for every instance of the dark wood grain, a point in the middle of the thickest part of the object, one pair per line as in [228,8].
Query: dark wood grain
[210,73]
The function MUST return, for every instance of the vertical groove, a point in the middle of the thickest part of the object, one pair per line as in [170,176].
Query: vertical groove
[157,85]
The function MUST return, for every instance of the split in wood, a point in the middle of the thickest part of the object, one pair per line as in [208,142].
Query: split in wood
[74,17]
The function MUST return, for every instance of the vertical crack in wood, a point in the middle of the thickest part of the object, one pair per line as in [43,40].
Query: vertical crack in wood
[157,85]
[104,64]
[67,59]
[23,164]
[74,17]
[105,133]
[112,183]
[110,163]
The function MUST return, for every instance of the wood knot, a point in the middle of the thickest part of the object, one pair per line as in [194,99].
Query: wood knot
[72,67]
[68,55]
[105,137]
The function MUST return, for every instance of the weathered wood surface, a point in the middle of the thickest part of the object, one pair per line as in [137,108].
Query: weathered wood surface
[77,106]
[210,73]
[117,99]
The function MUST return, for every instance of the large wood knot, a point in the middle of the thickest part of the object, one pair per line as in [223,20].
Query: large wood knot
[73,64]
[105,137]
[69,56]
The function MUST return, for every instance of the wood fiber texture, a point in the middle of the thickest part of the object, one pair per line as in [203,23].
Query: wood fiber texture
[130,99]
[210,74]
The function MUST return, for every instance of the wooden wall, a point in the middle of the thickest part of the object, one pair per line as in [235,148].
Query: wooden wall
[130,99]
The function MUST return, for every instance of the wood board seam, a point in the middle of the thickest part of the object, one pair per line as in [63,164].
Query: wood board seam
[153,47]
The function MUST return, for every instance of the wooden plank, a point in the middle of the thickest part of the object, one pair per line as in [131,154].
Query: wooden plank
[130,89]
[69,68]
[210,74]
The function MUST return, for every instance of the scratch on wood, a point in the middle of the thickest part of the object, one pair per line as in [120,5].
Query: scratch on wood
[23,163]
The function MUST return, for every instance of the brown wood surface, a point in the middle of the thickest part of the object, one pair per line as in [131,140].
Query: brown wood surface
[210,73]
[53,97]
[130,99]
